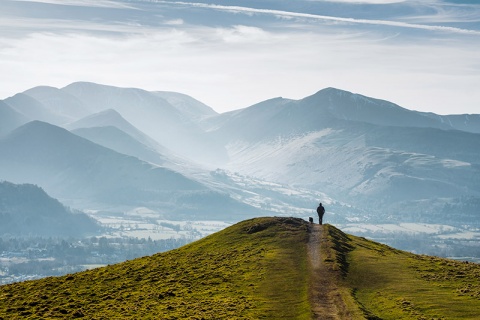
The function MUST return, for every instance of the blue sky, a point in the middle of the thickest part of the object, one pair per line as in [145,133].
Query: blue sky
[422,55]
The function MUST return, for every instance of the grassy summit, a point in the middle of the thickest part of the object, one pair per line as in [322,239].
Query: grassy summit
[252,270]
[256,269]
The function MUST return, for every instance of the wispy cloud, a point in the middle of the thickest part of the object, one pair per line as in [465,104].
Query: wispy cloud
[174,22]
[29,25]
[441,12]
[280,13]
[229,68]
[362,1]
[83,3]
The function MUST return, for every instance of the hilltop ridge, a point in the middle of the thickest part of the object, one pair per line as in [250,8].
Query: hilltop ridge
[258,268]
[254,269]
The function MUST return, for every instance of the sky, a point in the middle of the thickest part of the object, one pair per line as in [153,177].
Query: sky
[230,54]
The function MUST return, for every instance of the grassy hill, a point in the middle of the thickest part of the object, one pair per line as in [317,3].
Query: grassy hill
[393,284]
[256,269]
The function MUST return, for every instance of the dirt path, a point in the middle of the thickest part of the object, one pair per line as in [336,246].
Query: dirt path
[324,295]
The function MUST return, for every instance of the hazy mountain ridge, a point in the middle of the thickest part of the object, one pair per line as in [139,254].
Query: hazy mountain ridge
[155,116]
[464,122]
[191,108]
[68,164]
[112,118]
[109,129]
[75,169]
[26,210]
[355,107]
[353,147]
[59,102]
[363,151]
[117,140]
[33,109]
[329,107]
[10,118]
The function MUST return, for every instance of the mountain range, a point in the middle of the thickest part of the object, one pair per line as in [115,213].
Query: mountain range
[130,147]
[353,147]
[263,268]
[75,169]
[26,210]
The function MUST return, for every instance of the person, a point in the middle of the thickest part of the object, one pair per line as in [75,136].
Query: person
[321,212]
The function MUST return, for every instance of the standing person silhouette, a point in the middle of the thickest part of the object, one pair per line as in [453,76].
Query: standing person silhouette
[321,212]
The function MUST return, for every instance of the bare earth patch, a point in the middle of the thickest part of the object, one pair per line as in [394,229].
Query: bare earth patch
[325,297]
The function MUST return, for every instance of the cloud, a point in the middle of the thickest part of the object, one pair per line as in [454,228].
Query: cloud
[252,59]
[440,12]
[239,33]
[26,25]
[174,22]
[82,3]
[230,68]
[399,24]
[362,1]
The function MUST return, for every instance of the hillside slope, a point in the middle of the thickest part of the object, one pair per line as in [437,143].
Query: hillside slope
[257,269]
[67,165]
[254,269]
[391,284]
[10,118]
[26,210]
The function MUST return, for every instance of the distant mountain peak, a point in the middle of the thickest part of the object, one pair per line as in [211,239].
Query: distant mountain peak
[108,114]
[37,125]
[350,106]
[38,130]
[59,102]
[333,90]
[86,84]
[340,93]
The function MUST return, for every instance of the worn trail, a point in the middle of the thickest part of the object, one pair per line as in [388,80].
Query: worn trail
[325,298]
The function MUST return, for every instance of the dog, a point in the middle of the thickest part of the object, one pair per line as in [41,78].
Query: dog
[310,219]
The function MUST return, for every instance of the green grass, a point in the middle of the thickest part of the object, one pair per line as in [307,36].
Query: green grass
[336,247]
[256,269]
[392,284]
[253,270]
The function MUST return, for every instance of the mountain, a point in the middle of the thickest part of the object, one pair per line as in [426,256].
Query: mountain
[263,268]
[327,108]
[349,106]
[360,150]
[10,118]
[59,102]
[109,129]
[72,168]
[155,116]
[365,152]
[112,118]
[120,136]
[119,141]
[34,109]
[190,107]
[463,122]
[26,210]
